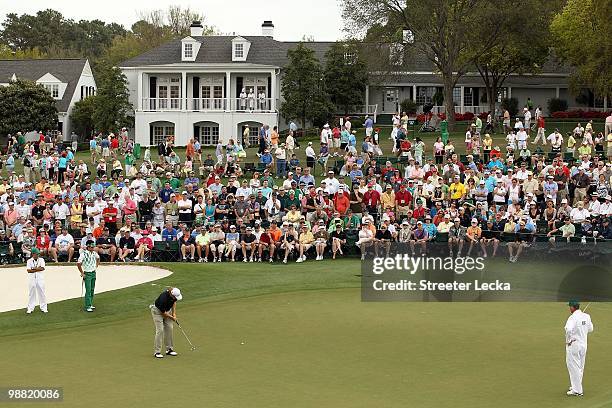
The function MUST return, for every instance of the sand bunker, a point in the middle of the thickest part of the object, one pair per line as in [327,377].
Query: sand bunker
[64,282]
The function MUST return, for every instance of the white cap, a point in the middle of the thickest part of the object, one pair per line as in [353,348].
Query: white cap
[176,292]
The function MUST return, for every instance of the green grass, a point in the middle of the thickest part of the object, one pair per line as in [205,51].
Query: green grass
[308,341]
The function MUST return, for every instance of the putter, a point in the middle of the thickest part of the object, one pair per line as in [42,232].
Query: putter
[81,299]
[586,307]
[185,334]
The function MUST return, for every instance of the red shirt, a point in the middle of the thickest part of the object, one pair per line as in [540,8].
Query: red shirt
[418,212]
[403,198]
[541,122]
[43,245]
[110,214]
[146,241]
[115,143]
[371,198]
[341,203]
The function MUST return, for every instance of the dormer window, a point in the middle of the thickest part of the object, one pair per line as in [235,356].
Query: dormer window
[53,90]
[239,51]
[240,48]
[188,51]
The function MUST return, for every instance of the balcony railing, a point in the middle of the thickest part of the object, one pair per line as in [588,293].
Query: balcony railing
[162,104]
[251,104]
[209,104]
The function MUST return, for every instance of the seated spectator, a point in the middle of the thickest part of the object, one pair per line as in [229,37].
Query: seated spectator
[248,243]
[366,238]
[289,240]
[321,236]
[127,246]
[187,246]
[144,245]
[105,245]
[217,243]
[419,238]
[202,240]
[64,245]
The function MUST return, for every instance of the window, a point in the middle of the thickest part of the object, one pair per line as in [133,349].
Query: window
[502,94]
[209,135]
[175,97]
[188,50]
[349,57]
[425,94]
[161,132]
[239,51]
[53,90]
[457,96]
[468,96]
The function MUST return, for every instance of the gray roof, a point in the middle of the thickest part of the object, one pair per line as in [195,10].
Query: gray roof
[218,49]
[267,51]
[67,70]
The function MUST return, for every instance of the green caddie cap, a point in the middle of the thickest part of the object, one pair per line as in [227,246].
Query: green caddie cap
[35,251]
[574,303]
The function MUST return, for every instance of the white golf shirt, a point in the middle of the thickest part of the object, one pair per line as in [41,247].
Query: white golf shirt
[578,326]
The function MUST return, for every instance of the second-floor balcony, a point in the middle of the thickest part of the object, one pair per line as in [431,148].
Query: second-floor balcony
[248,105]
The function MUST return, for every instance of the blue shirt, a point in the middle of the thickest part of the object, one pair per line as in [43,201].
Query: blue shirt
[93,144]
[368,123]
[168,235]
[62,163]
[266,158]
[164,194]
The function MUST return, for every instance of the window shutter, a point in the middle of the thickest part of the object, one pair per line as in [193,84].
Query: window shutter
[150,135]
[152,87]
[196,132]
[196,87]
[239,85]
[270,87]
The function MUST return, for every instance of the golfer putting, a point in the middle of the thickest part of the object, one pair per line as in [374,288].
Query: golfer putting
[88,262]
[164,314]
[35,267]
[577,328]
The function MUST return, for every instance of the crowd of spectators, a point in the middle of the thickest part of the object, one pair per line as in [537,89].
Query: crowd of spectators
[212,210]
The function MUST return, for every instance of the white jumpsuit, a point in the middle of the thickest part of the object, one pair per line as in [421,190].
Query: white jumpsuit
[36,284]
[577,328]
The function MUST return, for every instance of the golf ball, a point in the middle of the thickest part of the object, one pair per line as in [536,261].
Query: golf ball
[242,342]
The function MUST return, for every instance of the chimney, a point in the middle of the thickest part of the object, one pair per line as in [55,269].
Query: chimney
[267,29]
[196,29]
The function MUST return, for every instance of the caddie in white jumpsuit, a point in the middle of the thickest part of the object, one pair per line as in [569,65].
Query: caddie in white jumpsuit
[35,267]
[577,328]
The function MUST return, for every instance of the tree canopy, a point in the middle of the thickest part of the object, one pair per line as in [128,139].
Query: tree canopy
[346,75]
[449,33]
[26,106]
[303,88]
[582,33]
[112,108]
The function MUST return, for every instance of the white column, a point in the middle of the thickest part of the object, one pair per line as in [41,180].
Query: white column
[509,92]
[139,93]
[462,109]
[605,105]
[557,92]
[273,90]
[184,91]
[228,91]
[367,97]
[414,90]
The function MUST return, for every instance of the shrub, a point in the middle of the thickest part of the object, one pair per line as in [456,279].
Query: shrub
[483,115]
[511,104]
[557,105]
[409,106]
[468,116]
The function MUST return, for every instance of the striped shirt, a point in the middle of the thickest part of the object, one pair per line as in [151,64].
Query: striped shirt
[88,260]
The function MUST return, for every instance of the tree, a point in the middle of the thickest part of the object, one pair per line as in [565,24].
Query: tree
[82,115]
[582,34]
[26,106]
[303,88]
[511,53]
[449,33]
[346,75]
[112,108]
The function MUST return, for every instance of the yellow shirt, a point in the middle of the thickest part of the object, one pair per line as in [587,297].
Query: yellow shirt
[388,199]
[457,190]
[571,142]
[306,237]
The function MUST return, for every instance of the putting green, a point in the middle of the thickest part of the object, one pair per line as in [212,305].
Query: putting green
[307,348]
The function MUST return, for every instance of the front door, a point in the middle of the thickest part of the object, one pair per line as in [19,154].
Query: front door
[390,100]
